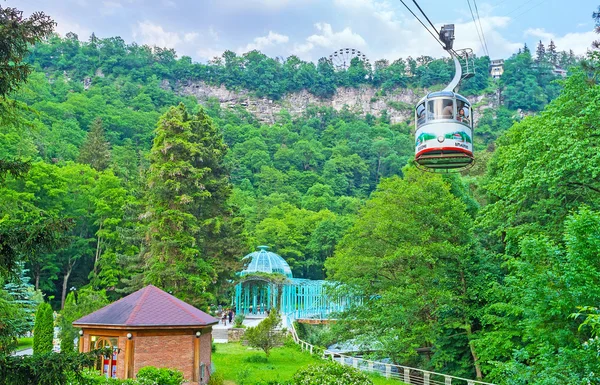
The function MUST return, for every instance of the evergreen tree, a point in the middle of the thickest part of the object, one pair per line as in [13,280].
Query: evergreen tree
[540,53]
[526,49]
[24,296]
[88,301]
[11,316]
[96,149]
[43,331]
[188,189]
[16,35]
[552,53]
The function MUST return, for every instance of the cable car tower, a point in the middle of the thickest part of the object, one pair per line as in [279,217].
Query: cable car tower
[444,119]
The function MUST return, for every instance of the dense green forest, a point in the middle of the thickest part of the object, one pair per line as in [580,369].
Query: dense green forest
[110,181]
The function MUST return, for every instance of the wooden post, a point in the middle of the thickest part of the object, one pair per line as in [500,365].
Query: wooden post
[129,346]
[196,369]
[426,379]
[407,375]
[388,371]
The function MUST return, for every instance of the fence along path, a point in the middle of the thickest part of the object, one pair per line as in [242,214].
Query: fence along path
[408,375]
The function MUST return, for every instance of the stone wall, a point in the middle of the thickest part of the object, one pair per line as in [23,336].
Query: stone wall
[235,334]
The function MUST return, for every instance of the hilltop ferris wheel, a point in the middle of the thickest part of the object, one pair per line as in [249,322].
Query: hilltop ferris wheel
[341,58]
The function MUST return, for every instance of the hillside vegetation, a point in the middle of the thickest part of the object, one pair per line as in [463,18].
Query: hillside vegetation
[130,184]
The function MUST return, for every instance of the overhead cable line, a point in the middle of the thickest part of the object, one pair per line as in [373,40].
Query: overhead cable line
[424,26]
[519,7]
[476,28]
[529,9]
[481,27]
[430,23]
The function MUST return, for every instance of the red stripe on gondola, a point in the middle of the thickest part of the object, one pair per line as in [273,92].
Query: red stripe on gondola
[455,149]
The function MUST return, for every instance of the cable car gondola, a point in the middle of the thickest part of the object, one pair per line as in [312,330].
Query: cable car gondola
[444,122]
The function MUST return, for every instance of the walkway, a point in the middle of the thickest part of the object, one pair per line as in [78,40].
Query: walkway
[219,332]
[24,352]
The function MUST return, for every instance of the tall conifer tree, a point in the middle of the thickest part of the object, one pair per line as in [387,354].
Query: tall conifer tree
[552,54]
[540,52]
[189,224]
[95,151]
[43,331]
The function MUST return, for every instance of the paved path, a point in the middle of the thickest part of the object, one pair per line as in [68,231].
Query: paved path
[219,332]
[25,352]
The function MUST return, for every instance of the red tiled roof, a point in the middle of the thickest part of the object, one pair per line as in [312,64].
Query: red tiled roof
[149,306]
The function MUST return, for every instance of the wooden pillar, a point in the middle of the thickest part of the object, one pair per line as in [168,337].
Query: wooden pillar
[196,367]
[129,358]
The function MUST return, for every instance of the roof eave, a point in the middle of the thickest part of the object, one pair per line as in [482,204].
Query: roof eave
[141,327]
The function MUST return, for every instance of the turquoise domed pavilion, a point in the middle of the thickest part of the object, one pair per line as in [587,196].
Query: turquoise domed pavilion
[264,261]
[268,283]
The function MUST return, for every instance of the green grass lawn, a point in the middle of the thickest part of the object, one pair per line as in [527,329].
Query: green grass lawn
[242,365]
[25,343]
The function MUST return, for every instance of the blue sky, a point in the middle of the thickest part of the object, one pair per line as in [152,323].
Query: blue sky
[311,29]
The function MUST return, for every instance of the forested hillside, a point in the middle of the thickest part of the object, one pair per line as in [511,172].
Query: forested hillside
[135,183]
[297,183]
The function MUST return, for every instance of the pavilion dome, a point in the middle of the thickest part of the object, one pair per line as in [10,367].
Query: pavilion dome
[263,261]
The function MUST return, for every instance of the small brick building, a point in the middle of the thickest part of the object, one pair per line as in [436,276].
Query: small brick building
[150,328]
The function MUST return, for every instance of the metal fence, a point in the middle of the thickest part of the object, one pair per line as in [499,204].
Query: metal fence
[408,375]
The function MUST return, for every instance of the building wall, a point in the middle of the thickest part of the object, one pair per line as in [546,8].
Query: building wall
[162,348]
[167,351]
[205,351]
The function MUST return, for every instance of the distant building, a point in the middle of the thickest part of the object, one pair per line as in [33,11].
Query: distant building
[559,71]
[149,328]
[497,68]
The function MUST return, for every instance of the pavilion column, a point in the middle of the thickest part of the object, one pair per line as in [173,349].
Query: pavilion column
[129,358]
[196,368]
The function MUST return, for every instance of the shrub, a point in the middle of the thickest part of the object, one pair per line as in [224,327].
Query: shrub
[91,377]
[150,375]
[330,373]
[43,330]
[265,335]
[256,359]
[238,321]
[45,368]
[216,379]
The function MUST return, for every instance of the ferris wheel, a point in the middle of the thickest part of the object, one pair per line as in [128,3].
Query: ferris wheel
[341,58]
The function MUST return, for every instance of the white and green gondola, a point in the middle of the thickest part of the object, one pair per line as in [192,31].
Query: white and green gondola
[444,119]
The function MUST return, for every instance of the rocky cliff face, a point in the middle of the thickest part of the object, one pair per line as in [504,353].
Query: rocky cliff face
[364,100]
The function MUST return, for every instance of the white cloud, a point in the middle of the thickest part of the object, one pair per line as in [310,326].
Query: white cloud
[153,34]
[209,53]
[397,34]
[539,33]
[65,26]
[190,37]
[579,42]
[329,39]
[259,43]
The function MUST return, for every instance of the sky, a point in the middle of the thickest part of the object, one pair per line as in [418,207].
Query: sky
[310,29]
